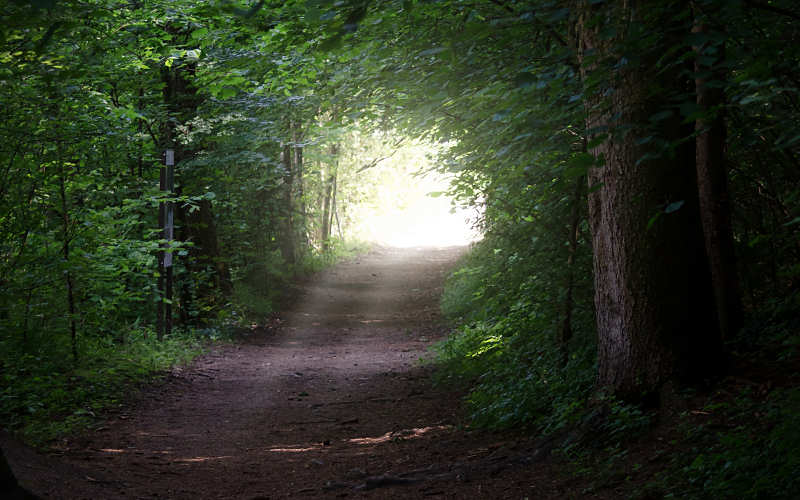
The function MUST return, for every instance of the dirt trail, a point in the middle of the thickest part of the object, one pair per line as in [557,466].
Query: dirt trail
[333,403]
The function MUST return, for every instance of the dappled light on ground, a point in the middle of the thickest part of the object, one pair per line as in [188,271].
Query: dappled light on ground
[294,449]
[201,459]
[399,435]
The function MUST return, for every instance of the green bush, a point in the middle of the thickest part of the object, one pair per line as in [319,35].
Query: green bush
[505,344]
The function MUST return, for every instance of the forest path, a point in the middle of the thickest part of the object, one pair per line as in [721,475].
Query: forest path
[332,403]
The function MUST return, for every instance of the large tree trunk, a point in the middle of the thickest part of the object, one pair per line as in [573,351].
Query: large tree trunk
[712,181]
[654,306]
[9,488]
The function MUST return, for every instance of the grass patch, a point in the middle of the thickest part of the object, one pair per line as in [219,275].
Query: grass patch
[45,395]
[336,251]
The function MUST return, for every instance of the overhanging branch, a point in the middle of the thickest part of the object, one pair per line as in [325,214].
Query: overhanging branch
[375,162]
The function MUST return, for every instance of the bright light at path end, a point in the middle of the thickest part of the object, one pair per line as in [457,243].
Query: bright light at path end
[423,220]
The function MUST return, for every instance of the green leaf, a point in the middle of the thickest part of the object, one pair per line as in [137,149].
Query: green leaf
[503,151]
[792,222]
[227,92]
[653,220]
[673,207]
[662,115]
[432,52]
[501,115]
[690,111]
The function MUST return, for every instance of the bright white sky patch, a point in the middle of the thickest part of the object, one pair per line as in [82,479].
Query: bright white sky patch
[389,201]
[420,220]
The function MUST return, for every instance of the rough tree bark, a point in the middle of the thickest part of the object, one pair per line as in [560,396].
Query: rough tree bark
[654,304]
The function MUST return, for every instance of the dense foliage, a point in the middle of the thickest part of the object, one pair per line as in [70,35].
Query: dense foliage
[93,93]
[275,110]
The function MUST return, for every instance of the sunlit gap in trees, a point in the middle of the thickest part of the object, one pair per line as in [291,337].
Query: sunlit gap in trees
[409,206]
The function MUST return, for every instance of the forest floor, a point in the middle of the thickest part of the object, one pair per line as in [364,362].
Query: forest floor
[331,401]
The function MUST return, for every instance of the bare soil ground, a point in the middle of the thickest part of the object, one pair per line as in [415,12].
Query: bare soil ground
[332,403]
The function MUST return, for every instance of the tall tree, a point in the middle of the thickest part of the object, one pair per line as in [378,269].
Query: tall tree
[656,316]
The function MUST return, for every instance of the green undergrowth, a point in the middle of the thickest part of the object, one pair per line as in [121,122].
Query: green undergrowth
[753,453]
[44,394]
[515,382]
[741,439]
[748,446]
[505,345]
[736,439]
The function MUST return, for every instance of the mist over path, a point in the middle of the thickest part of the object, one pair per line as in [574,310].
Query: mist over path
[332,400]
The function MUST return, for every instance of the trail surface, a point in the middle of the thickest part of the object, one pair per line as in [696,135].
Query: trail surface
[333,402]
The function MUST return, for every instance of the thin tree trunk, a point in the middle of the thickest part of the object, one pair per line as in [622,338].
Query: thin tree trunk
[288,236]
[160,289]
[338,223]
[325,231]
[199,227]
[333,203]
[26,319]
[712,183]
[574,229]
[297,138]
[65,253]
[140,129]
[327,201]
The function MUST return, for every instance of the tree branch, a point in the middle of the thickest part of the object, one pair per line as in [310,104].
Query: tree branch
[374,162]
[772,8]
[552,32]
